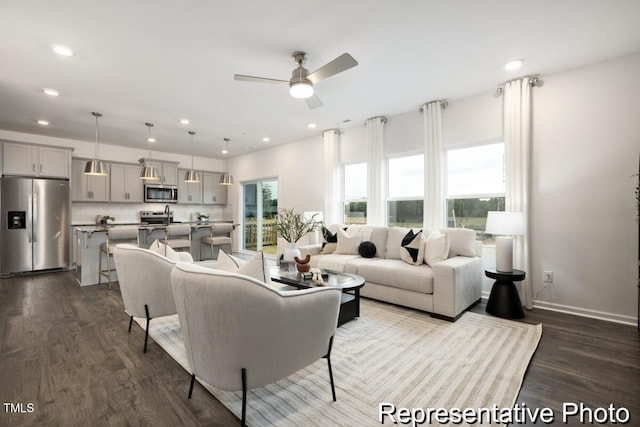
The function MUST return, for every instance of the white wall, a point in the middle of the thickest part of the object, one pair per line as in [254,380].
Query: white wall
[298,168]
[586,142]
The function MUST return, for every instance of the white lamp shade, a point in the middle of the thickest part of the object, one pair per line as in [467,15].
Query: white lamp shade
[505,223]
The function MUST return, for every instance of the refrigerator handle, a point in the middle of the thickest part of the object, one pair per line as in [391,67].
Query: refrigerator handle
[29,216]
[35,216]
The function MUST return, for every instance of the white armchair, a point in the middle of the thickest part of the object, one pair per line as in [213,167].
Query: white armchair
[145,283]
[240,333]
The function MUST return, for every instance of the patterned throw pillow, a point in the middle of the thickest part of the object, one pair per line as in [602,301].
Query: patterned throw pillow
[412,250]
[329,236]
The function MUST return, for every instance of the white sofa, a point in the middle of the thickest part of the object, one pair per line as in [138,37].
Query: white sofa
[445,289]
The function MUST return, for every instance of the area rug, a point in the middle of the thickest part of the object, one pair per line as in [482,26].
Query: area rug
[389,355]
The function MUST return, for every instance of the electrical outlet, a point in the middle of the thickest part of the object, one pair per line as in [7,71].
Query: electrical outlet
[547,276]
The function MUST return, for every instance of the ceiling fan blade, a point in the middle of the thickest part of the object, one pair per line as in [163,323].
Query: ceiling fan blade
[313,102]
[254,79]
[338,65]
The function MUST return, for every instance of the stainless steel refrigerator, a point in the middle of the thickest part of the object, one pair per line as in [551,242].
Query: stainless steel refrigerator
[35,224]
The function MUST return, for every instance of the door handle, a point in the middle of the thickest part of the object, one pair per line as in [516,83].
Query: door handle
[33,167]
[29,217]
[40,168]
[35,216]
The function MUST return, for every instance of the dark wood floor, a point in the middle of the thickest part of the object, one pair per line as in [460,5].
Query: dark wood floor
[65,350]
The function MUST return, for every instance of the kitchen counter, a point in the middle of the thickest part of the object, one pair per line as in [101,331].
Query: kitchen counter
[89,237]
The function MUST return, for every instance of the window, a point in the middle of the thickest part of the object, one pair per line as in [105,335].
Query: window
[475,186]
[405,201]
[355,193]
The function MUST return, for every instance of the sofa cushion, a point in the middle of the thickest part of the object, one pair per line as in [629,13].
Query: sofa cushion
[412,251]
[394,241]
[397,274]
[436,248]
[367,249]
[335,262]
[348,241]
[462,241]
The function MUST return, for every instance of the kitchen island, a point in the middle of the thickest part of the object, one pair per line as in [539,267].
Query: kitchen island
[87,239]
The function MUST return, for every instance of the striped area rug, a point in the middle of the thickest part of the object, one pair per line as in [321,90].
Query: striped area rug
[393,355]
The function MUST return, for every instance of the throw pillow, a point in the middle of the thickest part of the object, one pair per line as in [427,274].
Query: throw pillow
[462,241]
[328,248]
[367,249]
[255,267]
[412,248]
[348,243]
[164,250]
[329,236]
[437,248]
[228,262]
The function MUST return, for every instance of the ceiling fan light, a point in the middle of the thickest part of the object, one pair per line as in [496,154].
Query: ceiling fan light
[301,89]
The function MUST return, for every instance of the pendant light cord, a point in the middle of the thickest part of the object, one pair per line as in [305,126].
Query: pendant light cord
[97,151]
[191,133]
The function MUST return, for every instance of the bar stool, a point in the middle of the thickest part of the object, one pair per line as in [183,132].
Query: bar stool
[115,235]
[178,236]
[221,234]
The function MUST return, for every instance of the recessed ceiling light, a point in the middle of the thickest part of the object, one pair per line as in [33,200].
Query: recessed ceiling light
[266,139]
[514,65]
[43,122]
[51,92]
[225,151]
[184,121]
[151,139]
[62,50]
[311,125]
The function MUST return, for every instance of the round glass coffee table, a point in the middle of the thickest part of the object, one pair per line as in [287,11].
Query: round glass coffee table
[349,283]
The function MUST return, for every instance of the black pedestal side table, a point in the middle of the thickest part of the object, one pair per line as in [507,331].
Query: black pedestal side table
[504,300]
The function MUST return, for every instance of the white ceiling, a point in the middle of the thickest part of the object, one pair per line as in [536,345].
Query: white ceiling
[160,61]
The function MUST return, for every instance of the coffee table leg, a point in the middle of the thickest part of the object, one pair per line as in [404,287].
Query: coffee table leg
[357,295]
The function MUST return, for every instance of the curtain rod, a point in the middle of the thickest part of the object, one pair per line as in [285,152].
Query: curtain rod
[533,82]
[443,104]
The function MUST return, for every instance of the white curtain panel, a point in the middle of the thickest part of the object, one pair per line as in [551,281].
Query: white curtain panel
[433,160]
[517,142]
[332,178]
[376,210]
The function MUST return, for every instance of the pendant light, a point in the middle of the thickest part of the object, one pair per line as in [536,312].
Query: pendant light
[95,166]
[149,172]
[192,175]
[226,178]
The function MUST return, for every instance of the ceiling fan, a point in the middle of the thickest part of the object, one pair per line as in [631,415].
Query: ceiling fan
[301,82]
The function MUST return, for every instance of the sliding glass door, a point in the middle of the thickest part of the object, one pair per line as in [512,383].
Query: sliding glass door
[260,206]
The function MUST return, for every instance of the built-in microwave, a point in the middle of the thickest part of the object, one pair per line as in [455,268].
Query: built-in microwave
[160,193]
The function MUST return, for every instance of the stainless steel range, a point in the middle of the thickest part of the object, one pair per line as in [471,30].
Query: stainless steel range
[156,217]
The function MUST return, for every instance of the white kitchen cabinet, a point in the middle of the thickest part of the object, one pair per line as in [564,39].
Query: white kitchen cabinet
[35,160]
[88,188]
[189,192]
[126,185]
[212,192]
[168,172]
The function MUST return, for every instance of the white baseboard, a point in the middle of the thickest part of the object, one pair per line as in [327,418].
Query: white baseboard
[577,311]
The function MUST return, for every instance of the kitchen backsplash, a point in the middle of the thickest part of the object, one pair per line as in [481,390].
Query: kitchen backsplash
[86,213]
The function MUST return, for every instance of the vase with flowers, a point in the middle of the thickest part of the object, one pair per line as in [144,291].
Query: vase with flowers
[291,226]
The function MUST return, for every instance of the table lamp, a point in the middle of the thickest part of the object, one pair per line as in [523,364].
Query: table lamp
[505,225]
